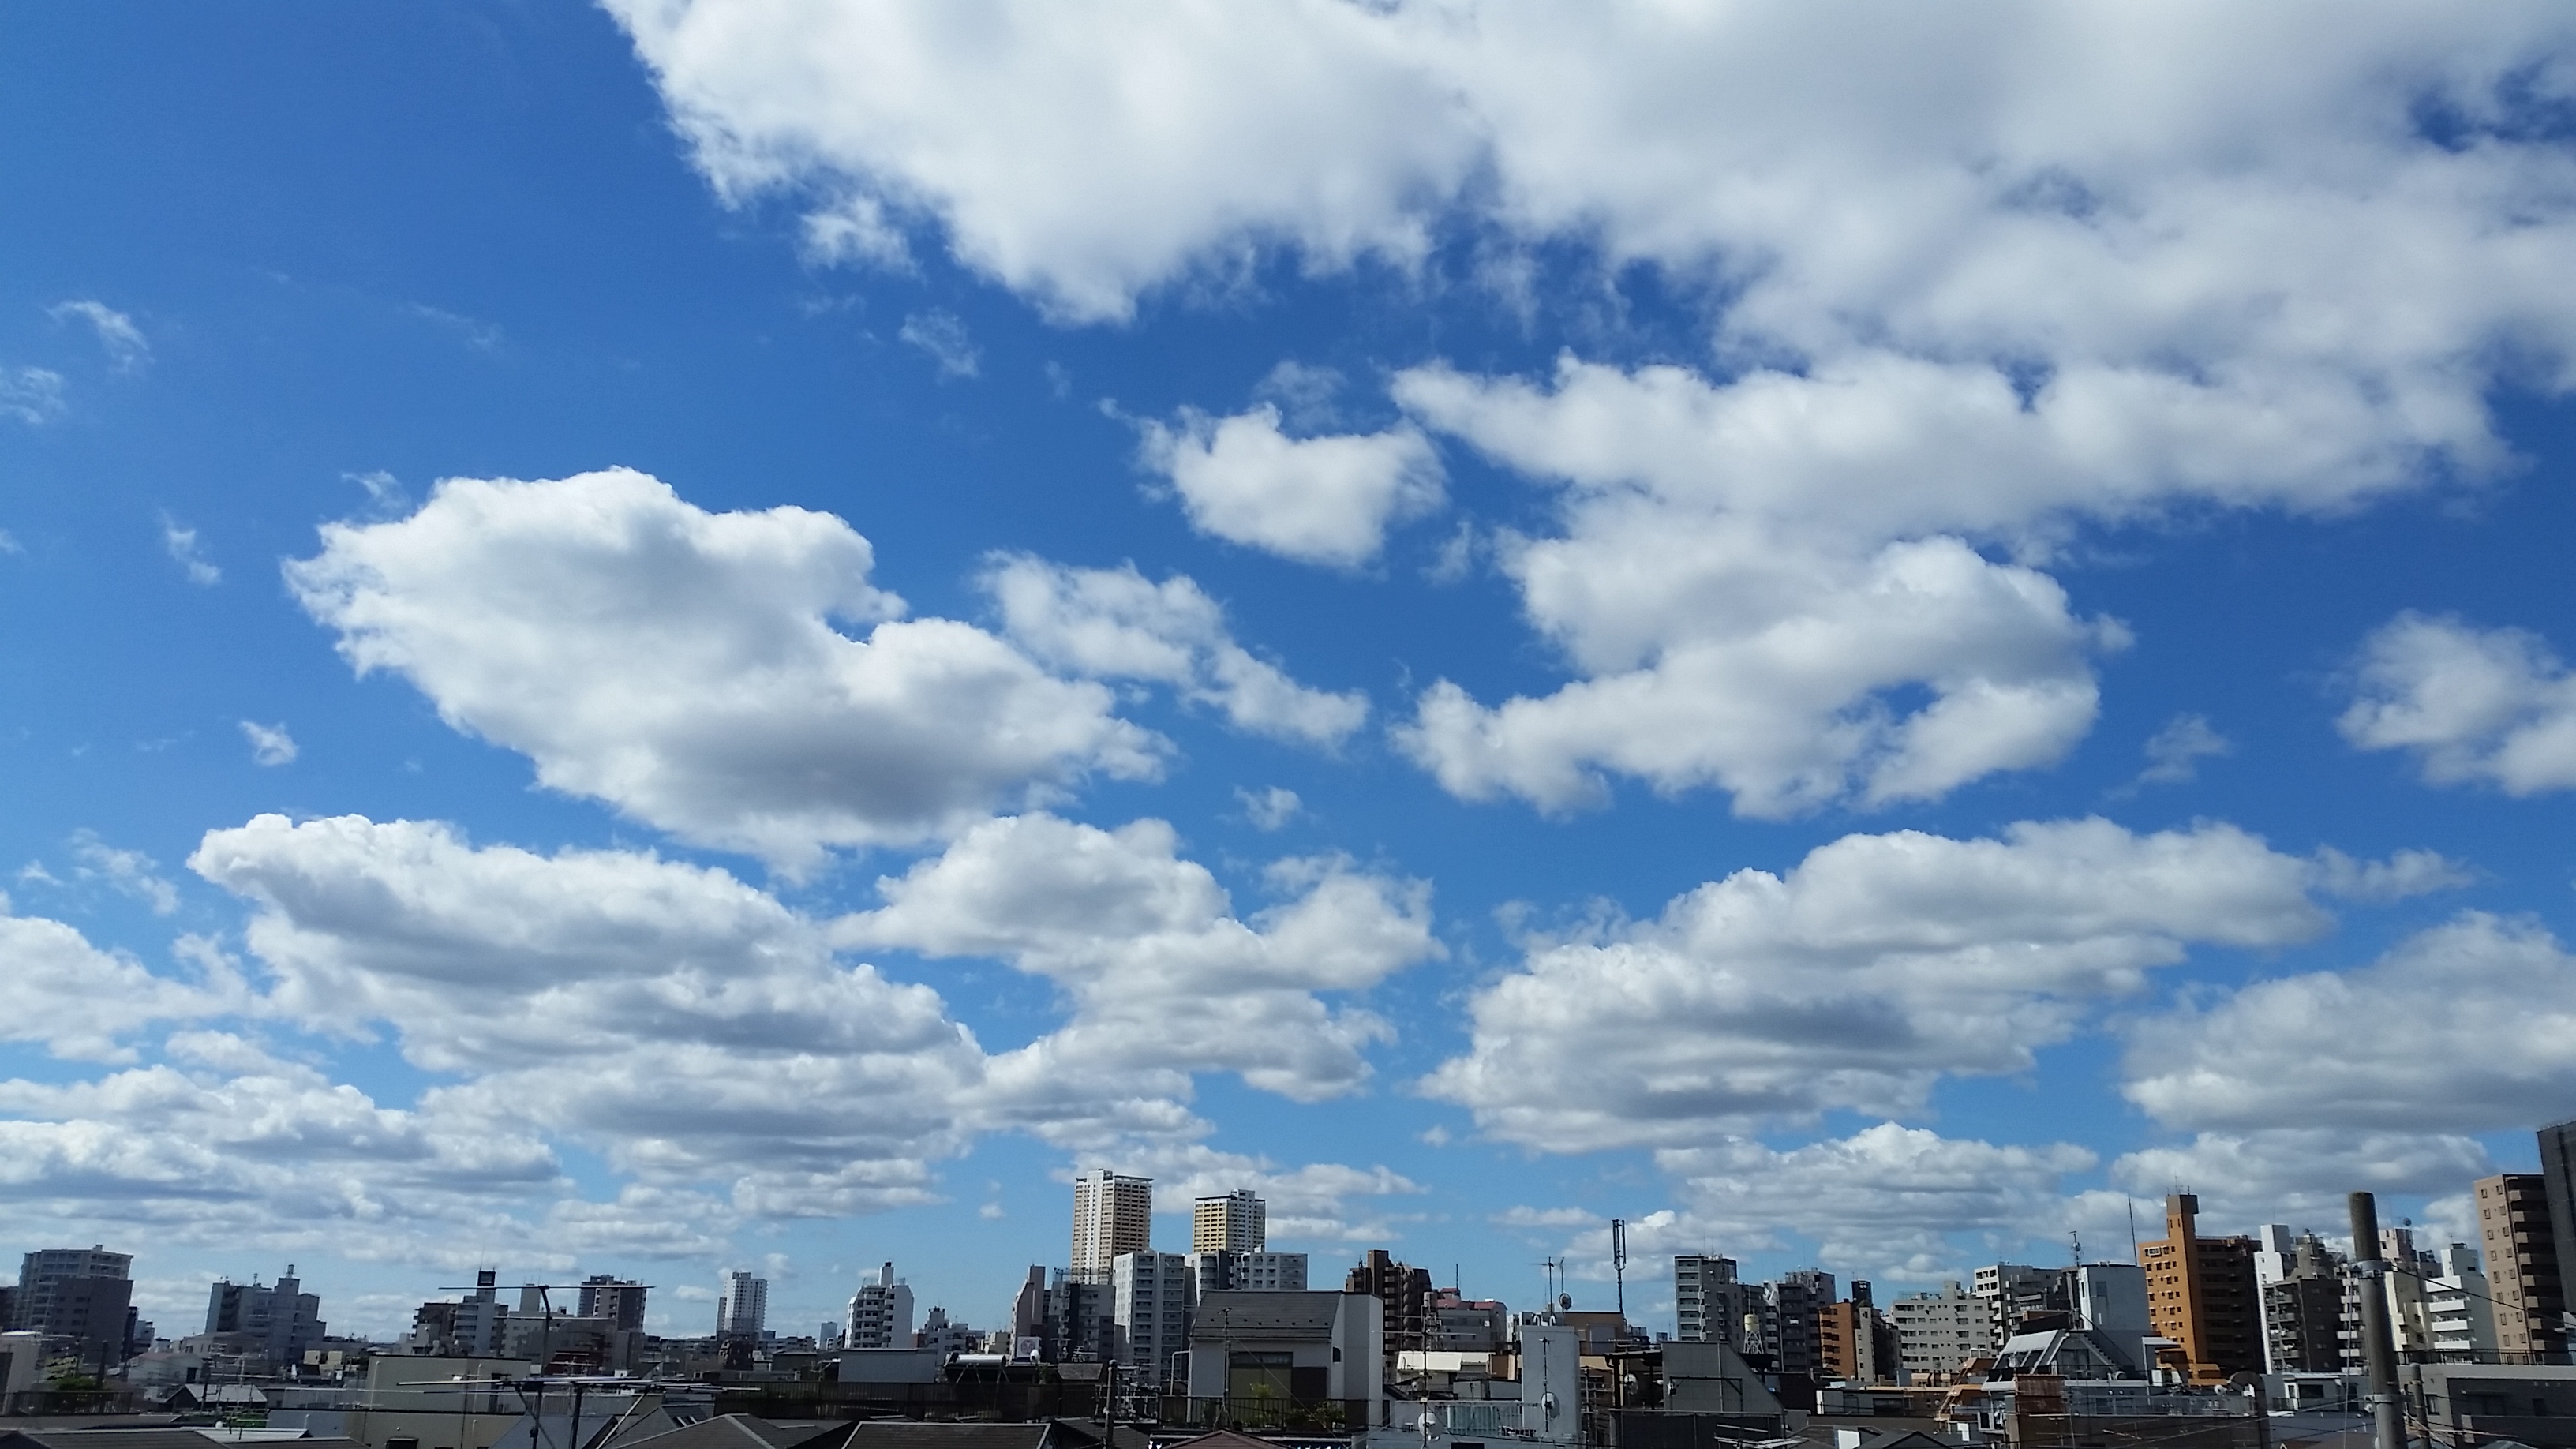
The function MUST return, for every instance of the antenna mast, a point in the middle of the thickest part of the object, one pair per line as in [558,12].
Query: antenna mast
[1619,1262]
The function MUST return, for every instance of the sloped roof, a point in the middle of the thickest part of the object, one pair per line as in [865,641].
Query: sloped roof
[909,1434]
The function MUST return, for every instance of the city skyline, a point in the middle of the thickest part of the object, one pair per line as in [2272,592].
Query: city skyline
[660,638]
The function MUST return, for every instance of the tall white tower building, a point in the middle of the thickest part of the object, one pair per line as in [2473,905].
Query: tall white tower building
[1112,1215]
[742,1310]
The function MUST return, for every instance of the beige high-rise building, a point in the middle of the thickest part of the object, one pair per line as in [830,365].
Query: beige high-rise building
[2522,1267]
[1234,1223]
[1112,1215]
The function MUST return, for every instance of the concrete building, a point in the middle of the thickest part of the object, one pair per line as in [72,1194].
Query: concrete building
[81,1294]
[1468,1325]
[2459,1403]
[1256,1357]
[618,1300]
[1218,1272]
[1079,1325]
[1790,1327]
[1405,1293]
[1937,1332]
[2520,1239]
[1151,1295]
[1236,1222]
[1112,1215]
[742,1307]
[466,1328]
[880,1313]
[941,1337]
[2558,1190]
[2460,1309]
[283,1319]
[2201,1294]
[2010,1292]
[1854,1344]
[1708,1303]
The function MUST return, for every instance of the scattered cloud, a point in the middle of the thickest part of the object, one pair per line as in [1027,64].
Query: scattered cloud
[269,744]
[686,667]
[32,395]
[687,1026]
[1115,624]
[81,1002]
[131,872]
[385,495]
[181,544]
[2174,753]
[1320,500]
[1164,978]
[2405,874]
[476,333]
[943,337]
[2468,1027]
[2474,706]
[1270,809]
[127,350]
[1857,980]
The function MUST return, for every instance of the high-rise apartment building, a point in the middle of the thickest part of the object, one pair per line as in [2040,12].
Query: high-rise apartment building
[618,1300]
[283,1319]
[1790,1325]
[2521,1242]
[2558,1189]
[1708,1303]
[1405,1291]
[1937,1332]
[2201,1294]
[1112,1215]
[1151,1295]
[1236,1222]
[76,1293]
[880,1313]
[1854,1344]
[2010,1292]
[742,1309]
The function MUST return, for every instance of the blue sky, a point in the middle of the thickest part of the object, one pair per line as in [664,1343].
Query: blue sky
[1850,641]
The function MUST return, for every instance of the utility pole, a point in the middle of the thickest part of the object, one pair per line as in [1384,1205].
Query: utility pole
[2379,1350]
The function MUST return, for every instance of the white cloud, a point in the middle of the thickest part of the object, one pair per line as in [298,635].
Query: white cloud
[181,544]
[131,872]
[1114,624]
[2174,753]
[2300,1173]
[1320,500]
[943,337]
[269,744]
[684,666]
[2490,706]
[1270,809]
[1857,980]
[79,1001]
[124,342]
[2405,874]
[685,1025]
[32,395]
[2285,256]
[1886,1200]
[1772,683]
[2469,1027]
[1164,978]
